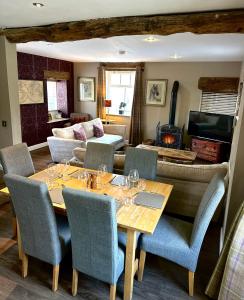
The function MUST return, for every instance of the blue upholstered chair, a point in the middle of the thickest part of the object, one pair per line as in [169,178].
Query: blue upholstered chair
[145,161]
[97,154]
[43,235]
[180,241]
[94,237]
[17,160]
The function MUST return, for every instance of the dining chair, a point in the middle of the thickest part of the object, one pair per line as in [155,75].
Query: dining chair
[43,235]
[145,161]
[97,154]
[180,241]
[94,237]
[17,160]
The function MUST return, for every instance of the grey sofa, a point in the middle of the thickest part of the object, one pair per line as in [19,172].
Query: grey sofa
[63,142]
[189,181]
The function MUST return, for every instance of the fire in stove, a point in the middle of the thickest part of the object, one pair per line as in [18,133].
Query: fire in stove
[168,139]
[169,135]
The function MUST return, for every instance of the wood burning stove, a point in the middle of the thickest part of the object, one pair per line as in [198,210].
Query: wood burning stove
[169,135]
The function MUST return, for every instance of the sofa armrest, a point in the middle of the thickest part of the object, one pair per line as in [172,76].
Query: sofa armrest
[115,129]
[62,148]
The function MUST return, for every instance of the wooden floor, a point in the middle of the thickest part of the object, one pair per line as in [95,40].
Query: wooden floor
[162,279]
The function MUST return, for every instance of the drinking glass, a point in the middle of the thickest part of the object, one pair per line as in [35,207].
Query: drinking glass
[51,172]
[133,178]
[141,185]
[83,176]
[102,169]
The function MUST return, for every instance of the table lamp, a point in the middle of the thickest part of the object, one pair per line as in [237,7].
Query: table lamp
[107,104]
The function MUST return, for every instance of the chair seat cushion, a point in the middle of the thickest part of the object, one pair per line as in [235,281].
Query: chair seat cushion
[122,238]
[64,233]
[171,240]
[107,139]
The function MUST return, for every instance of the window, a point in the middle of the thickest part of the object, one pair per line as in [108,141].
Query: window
[52,95]
[219,103]
[120,90]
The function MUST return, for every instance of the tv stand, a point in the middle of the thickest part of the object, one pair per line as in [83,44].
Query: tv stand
[210,150]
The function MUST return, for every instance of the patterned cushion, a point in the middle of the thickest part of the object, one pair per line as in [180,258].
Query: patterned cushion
[80,134]
[98,130]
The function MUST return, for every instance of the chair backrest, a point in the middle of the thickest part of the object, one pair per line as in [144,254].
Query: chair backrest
[97,154]
[145,161]
[94,237]
[17,160]
[36,218]
[208,205]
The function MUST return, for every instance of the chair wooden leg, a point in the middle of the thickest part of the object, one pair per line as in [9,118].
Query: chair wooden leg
[24,265]
[112,291]
[75,282]
[14,226]
[55,278]
[20,249]
[141,264]
[191,283]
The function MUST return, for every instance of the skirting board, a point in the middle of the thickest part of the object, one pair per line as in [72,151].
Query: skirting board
[38,146]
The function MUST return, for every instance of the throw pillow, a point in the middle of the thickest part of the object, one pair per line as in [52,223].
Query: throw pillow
[80,134]
[98,130]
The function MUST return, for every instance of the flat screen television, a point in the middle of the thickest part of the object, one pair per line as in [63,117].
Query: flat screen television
[211,126]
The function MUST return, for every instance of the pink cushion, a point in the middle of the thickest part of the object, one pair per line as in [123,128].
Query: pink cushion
[98,130]
[80,134]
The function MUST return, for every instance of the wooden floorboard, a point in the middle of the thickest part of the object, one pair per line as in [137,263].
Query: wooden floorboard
[162,279]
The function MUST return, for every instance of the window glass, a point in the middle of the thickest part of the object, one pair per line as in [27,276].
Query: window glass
[52,95]
[120,90]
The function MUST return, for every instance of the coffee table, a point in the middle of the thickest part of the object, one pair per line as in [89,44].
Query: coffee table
[177,154]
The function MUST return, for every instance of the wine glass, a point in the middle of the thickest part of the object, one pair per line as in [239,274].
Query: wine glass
[133,178]
[142,185]
[65,168]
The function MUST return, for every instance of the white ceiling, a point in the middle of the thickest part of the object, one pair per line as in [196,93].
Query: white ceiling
[16,13]
[191,47]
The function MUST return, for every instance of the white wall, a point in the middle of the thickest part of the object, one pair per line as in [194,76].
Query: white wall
[9,101]
[85,70]
[235,194]
[188,96]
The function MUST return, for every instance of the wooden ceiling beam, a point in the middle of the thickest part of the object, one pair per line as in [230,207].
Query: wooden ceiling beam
[229,21]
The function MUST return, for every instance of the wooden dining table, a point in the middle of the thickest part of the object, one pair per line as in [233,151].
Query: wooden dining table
[130,218]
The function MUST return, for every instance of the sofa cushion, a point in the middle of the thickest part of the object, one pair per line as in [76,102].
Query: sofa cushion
[107,139]
[80,134]
[65,133]
[98,131]
[88,127]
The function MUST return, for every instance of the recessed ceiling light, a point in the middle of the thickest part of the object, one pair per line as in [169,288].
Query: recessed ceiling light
[38,4]
[122,52]
[176,56]
[151,39]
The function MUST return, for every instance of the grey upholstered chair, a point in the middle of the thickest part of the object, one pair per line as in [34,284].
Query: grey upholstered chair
[17,160]
[180,241]
[43,235]
[97,154]
[94,237]
[145,161]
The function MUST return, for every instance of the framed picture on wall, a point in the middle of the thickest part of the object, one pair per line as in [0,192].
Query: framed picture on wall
[30,91]
[156,90]
[86,88]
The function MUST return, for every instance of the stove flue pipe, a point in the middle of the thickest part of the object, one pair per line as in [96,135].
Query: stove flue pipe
[173,103]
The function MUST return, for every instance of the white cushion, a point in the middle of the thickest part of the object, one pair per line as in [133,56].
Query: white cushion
[107,139]
[88,127]
[66,133]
